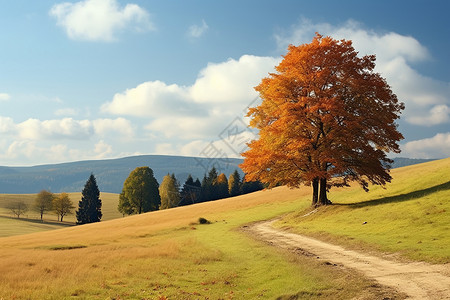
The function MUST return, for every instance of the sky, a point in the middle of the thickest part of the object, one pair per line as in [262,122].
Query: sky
[100,79]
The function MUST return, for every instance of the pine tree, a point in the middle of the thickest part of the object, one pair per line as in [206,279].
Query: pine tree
[190,193]
[90,205]
[170,196]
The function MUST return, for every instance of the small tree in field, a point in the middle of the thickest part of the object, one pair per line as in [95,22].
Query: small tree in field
[62,205]
[90,205]
[326,119]
[43,202]
[170,196]
[18,208]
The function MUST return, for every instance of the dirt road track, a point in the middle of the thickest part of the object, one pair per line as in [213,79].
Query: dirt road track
[418,280]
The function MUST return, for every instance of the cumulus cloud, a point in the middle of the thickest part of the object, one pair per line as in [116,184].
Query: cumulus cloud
[119,126]
[425,98]
[4,97]
[437,146]
[196,31]
[221,92]
[439,114]
[66,128]
[99,20]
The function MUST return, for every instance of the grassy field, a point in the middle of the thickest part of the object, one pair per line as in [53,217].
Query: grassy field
[410,217]
[166,254]
[30,222]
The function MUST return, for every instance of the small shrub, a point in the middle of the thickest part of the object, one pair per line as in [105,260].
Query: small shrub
[203,221]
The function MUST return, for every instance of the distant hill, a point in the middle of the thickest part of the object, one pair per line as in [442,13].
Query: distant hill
[111,173]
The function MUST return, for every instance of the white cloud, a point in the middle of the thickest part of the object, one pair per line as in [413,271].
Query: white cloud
[439,114]
[102,150]
[221,92]
[6,125]
[196,31]
[119,126]
[99,20]
[437,146]
[4,97]
[425,98]
[67,128]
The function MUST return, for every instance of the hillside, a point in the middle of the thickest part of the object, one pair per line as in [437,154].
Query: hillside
[168,254]
[110,174]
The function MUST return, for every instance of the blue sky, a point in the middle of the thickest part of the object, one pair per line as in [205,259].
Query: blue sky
[99,79]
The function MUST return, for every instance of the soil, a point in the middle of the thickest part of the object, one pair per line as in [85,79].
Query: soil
[418,280]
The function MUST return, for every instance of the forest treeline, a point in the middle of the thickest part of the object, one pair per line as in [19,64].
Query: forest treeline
[142,193]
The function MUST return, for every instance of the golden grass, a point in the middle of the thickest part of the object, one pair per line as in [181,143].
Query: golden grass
[163,254]
[166,254]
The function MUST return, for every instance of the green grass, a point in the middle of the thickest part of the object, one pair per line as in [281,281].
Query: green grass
[410,217]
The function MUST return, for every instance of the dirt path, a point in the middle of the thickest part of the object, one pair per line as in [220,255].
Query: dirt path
[418,280]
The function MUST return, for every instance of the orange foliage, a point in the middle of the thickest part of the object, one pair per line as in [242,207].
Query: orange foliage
[325,114]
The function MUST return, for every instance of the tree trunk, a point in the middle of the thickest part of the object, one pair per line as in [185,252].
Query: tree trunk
[323,200]
[315,196]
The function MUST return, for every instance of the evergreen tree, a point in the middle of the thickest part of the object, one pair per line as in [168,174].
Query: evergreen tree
[222,186]
[140,192]
[234,184]
[170,196]
[209,187]
[176,182]
[251,186]
[190,193]
[90,205]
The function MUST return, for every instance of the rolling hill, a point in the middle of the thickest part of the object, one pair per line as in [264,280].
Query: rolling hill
[168,255]
[111,173]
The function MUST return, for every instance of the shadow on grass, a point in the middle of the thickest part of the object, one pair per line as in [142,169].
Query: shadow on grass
[400,198]
[38,221]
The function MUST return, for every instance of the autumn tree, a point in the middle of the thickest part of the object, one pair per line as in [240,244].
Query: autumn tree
[90,205]
[43,202]
[234,183]
[221,184]
[326,118]
[140,192]
[62,205]
[170,196]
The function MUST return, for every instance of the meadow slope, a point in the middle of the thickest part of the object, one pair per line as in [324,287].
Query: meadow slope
[409,217]
[166,254]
